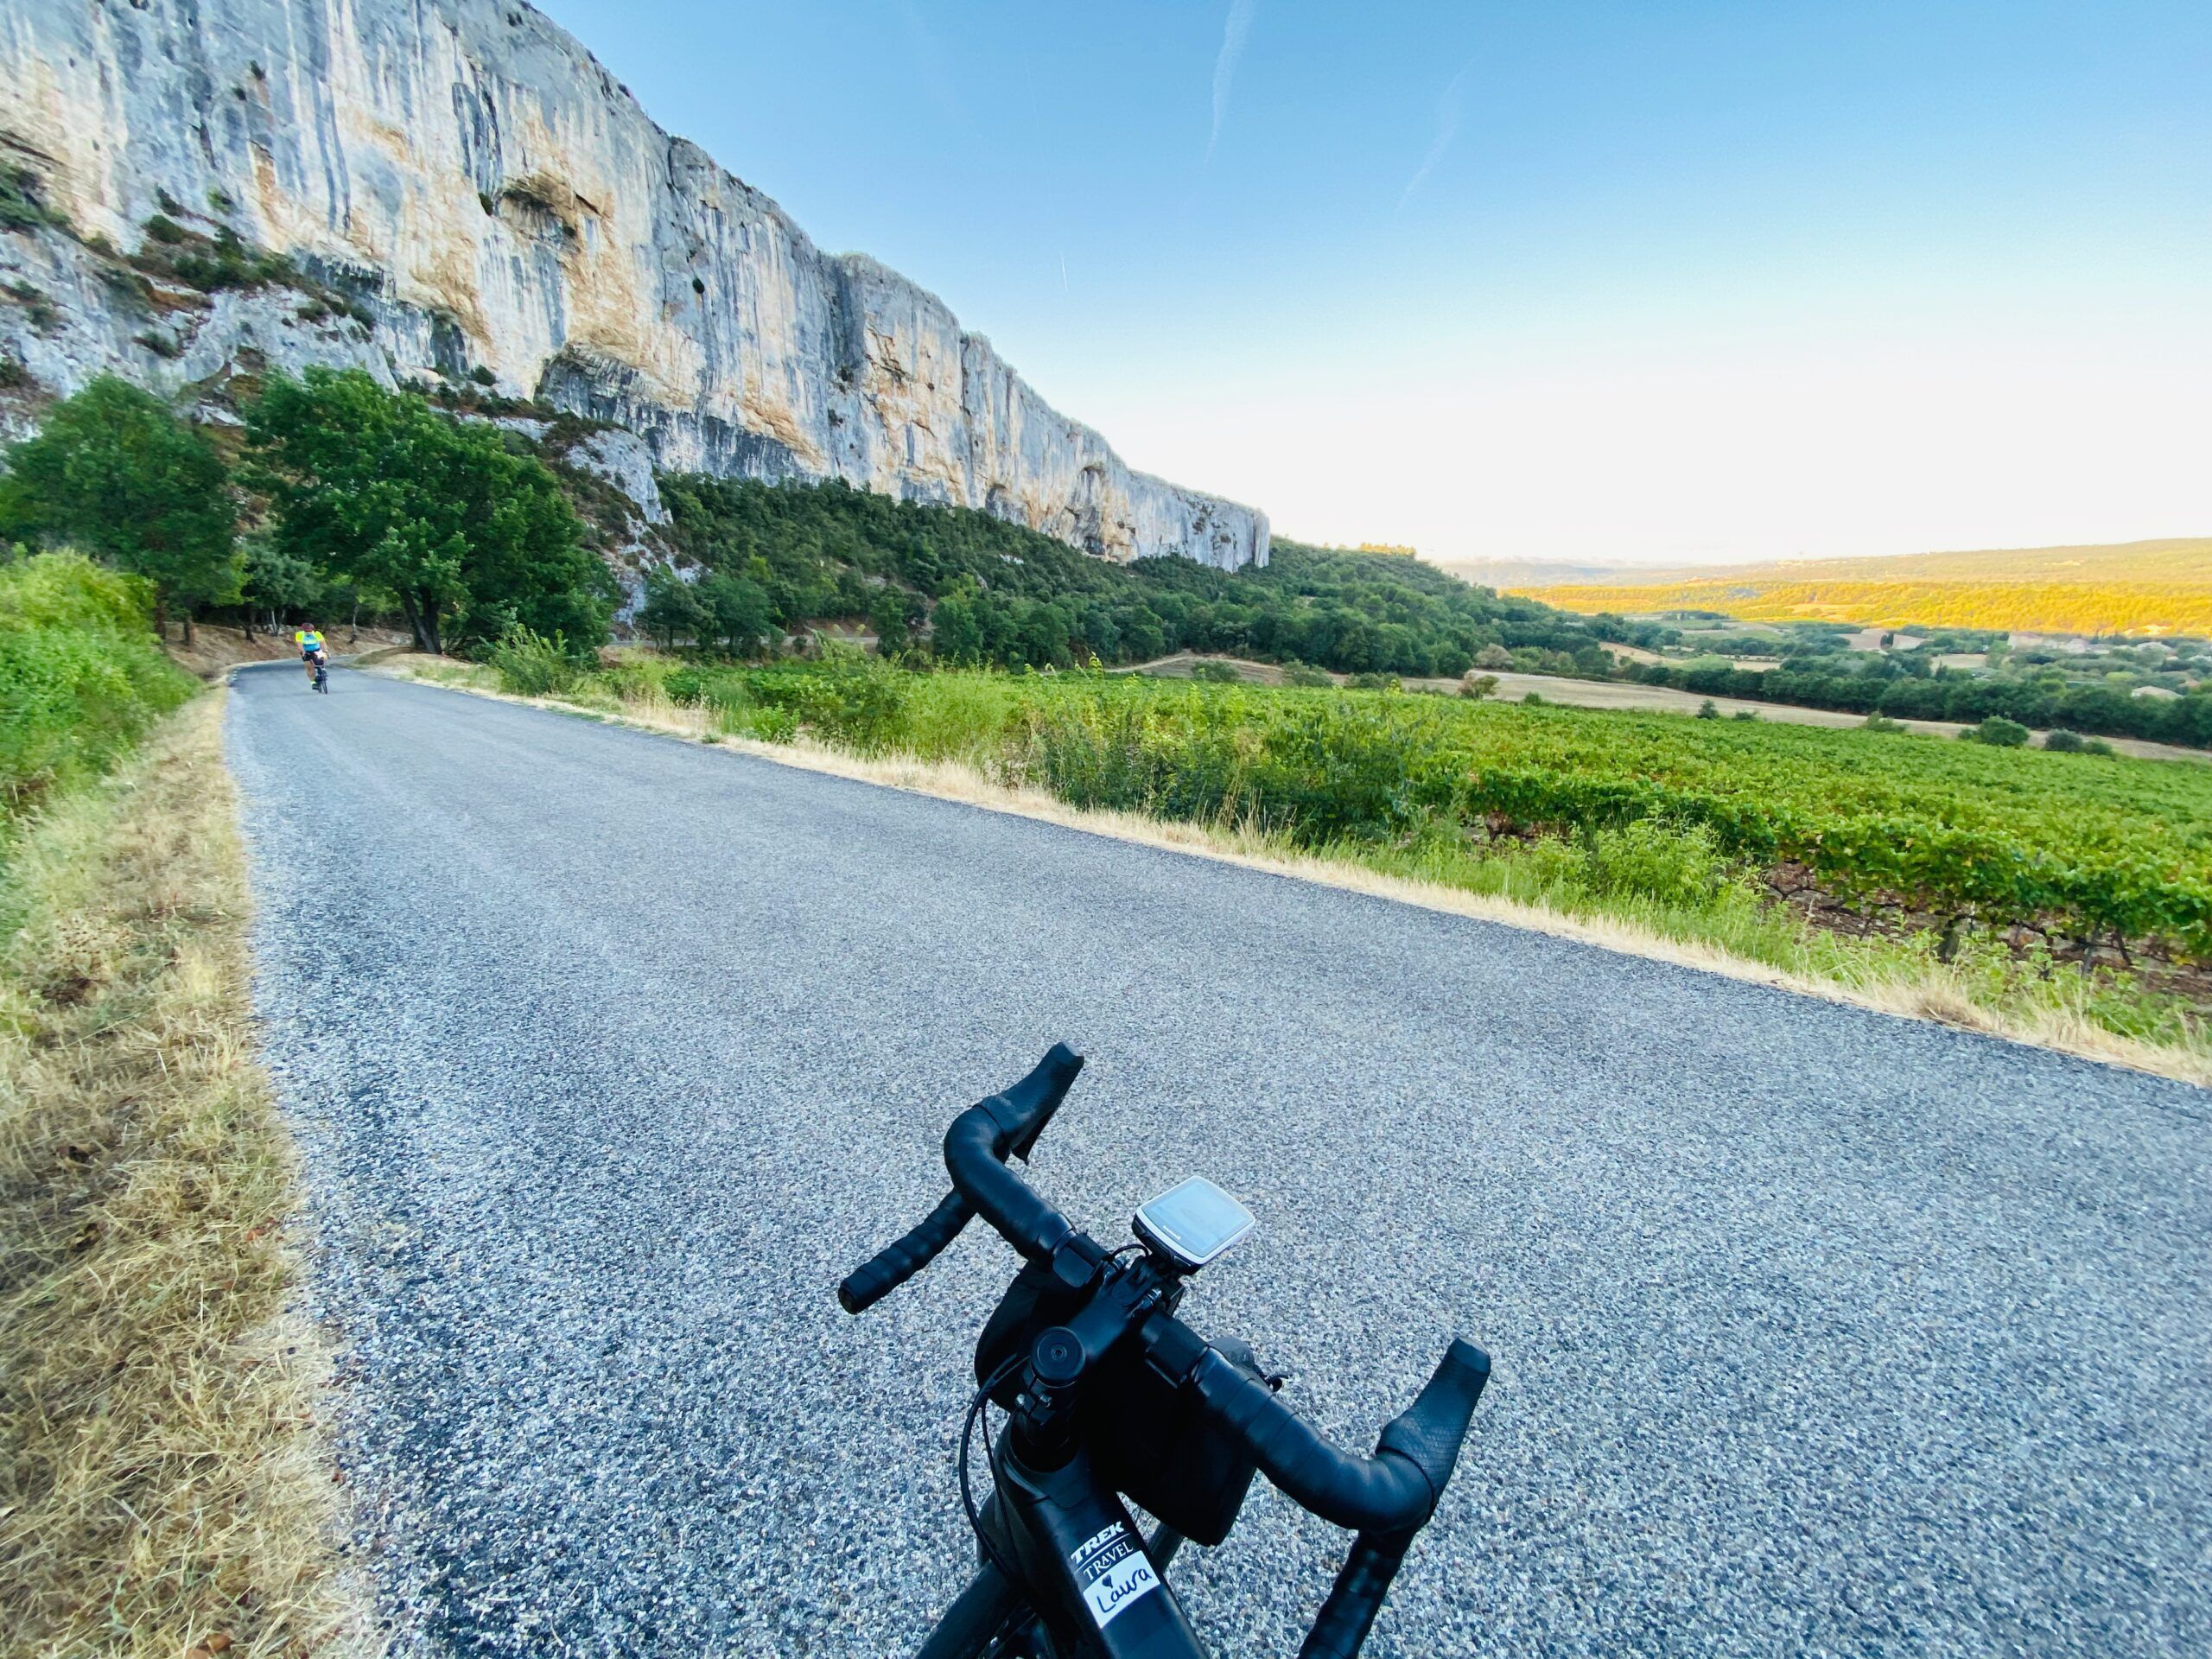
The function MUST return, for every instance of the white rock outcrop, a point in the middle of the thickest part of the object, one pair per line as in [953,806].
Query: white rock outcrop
[486,193]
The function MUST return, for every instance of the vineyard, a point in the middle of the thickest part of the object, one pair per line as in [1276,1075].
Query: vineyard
[2082,848]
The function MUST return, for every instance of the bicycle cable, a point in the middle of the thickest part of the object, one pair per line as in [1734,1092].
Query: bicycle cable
[975,1406]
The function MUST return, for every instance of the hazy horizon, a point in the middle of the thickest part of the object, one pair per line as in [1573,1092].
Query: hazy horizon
[1613,285]
[1629,567]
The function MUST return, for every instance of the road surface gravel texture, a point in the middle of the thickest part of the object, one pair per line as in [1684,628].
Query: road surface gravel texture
[1816,1330]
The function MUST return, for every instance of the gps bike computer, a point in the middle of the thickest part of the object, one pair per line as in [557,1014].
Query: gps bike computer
[1191,1223]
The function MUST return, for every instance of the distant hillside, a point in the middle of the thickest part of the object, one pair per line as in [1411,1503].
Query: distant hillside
[1532,573]
[2143,588]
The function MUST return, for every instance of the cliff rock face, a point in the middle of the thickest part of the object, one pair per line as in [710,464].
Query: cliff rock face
[491,199]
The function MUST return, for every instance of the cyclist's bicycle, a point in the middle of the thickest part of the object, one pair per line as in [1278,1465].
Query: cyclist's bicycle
[1108,1396]
[322,673]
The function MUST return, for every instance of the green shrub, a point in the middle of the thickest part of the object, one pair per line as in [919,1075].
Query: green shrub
[763,724]
[1373,683]
[22,204]
[1676,864]
[854,700]
[81,677]
[1305,674]
[1999,732]
[1212,673]
[2064,742]
[531,665]
[639,677]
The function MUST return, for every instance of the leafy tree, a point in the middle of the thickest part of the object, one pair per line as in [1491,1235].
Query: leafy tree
[672,610]
[278,582]
[887,616]
[117,474]
[737,613]
[472,538]
[954,634]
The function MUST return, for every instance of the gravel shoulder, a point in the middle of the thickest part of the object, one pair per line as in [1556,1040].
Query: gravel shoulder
[1816,1330]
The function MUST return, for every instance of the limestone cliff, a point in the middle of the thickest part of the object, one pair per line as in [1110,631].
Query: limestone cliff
[491,201]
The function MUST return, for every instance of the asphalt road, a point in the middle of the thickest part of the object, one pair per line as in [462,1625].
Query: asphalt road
[1815,1331]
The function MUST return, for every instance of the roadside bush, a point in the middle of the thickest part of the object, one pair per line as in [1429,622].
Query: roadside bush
[81,678]
[2064,742]
[967,716]
[1319,771]
[1305,674]
[1098,755]
[637,677]
[1337,771]
[1676,864]
[1476,687]
[1216,673]
[531,665]
[849,698]
[763,724]
[1999,732]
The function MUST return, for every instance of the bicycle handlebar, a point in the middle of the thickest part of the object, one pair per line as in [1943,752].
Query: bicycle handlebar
[1386,1498]
[977,1144]
[900,1260]
[1019,1116]
[1397,1487]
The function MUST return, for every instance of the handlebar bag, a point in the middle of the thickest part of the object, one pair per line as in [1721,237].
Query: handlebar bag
[1149,1440]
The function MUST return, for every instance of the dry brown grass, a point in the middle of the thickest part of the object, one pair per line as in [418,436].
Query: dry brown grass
[1915,991]
[164,1490]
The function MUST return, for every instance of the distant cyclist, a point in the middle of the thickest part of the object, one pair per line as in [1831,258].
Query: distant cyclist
[309,641]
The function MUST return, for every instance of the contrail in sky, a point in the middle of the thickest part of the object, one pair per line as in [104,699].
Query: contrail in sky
[1447,128]
[1233,33]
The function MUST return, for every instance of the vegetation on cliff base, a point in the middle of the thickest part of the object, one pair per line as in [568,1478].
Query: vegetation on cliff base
[1000,593]
[469,537]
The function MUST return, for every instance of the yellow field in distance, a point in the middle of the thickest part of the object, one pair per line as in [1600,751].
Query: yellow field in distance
[2136,588]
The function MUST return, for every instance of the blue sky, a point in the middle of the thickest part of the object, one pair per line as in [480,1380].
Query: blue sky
[1653,281]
